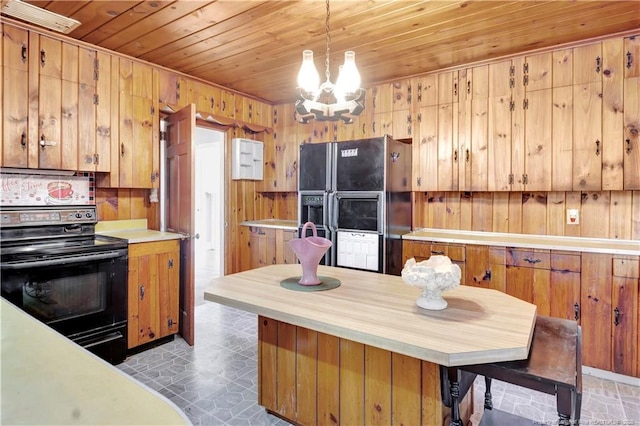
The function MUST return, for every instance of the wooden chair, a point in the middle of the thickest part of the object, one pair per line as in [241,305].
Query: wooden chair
[554,366]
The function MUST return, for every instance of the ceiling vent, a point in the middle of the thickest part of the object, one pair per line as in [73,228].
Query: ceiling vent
[38,16]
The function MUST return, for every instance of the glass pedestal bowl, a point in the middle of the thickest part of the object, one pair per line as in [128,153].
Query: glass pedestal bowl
[432,276]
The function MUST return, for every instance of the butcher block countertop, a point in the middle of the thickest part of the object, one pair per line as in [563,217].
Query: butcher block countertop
[134,231]
[582,244]
[478,326]
[49,380]
[288,225]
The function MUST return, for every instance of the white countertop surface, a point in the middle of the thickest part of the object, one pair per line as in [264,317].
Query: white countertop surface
[583,244]
[49,380]
[288,225]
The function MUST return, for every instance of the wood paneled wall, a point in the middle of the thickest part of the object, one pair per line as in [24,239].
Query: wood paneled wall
[607,214]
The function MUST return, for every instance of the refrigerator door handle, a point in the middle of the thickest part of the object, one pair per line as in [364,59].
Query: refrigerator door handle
[333,208]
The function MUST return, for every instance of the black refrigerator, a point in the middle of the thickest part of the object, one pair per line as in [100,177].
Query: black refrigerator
[358,195]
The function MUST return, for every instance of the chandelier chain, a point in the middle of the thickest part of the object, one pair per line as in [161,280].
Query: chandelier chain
[326,61]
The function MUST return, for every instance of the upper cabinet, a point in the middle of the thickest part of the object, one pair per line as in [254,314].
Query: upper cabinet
[52,116]
[566,120]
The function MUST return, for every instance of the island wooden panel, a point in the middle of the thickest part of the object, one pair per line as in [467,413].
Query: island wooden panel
[312,378]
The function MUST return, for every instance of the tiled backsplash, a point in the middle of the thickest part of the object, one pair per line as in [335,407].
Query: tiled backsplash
[28,189]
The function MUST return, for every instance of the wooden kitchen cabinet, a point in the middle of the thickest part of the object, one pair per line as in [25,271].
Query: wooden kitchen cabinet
[485,267]
[137,121]
[154,281]
[423,250]
[268,246]
[624,300]
[53,118]
[15,102]
[596,312]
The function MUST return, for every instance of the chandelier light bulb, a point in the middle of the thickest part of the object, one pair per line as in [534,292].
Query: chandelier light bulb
[349,78]
[308,77]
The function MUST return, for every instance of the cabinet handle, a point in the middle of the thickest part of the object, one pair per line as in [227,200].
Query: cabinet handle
[455,89]
[469,87]
[576,311]
[437,252]
[532,261]
[23,140]
[628,141]
[598,64]
[616,316]
[141,292]
[43,58]
[364,128]
[224,105]
[629,59]
[468,155]
[44,143]
[455,156]
[24,54]
[597,147]
[122,150]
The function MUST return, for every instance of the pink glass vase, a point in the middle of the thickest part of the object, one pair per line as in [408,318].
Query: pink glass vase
[309,251]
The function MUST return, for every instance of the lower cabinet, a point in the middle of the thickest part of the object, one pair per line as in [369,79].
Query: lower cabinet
[154,282]
[268,246]
[600,291]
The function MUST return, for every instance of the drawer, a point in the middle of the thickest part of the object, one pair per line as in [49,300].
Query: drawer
[456,252]
[528,258]
[626,267]
[566,262]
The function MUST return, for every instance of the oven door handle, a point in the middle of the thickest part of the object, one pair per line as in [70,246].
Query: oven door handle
[63,260]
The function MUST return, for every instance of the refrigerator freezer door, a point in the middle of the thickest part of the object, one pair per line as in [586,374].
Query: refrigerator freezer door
[359,165]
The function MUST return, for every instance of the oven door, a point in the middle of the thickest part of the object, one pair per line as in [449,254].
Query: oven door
[78,295]
[358,211]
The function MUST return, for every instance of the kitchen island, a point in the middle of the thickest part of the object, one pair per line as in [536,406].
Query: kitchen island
[364,353]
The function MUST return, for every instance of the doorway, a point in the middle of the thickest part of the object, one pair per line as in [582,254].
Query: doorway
[209,208]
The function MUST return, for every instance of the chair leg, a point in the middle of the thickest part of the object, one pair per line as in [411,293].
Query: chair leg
[488,404]
[455,399]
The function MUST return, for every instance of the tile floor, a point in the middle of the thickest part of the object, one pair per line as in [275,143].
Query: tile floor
[215,381]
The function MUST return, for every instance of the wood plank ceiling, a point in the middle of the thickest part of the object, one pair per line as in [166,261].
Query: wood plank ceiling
[255,46]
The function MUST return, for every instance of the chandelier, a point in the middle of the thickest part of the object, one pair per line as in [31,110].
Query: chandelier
[327,101]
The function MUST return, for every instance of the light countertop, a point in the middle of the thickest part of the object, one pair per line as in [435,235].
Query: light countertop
[478,326]
[582,244]
[134,231]
[287,225]
[47,380]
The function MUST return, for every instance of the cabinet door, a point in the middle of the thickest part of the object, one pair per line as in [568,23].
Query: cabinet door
[49,129]
[154,283]
[15,102]
[596,310]
[425,150]
[587,137]
[144,321]
[15,121]
[538,113]
[564,300]
[625,315]
[499,127]
[103,138]
[483,269]
[632,133]
[169,289]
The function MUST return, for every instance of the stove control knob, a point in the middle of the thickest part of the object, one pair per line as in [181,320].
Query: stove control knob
[88,215]
[78,215]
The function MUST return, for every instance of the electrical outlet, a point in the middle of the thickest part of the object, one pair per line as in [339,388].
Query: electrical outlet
[573,217]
